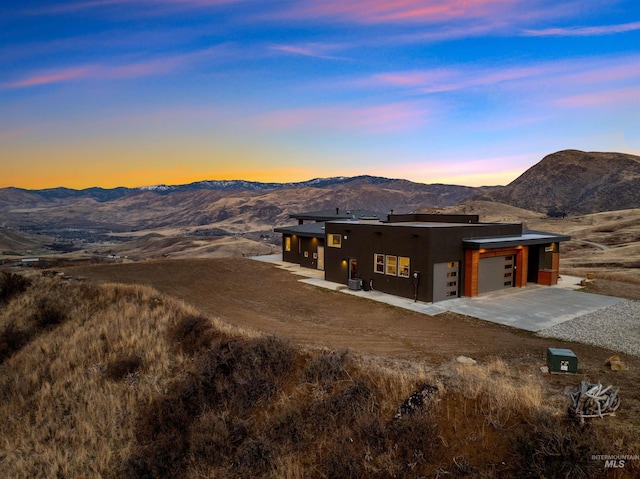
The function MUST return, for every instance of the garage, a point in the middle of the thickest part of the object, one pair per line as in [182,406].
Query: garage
[496,272]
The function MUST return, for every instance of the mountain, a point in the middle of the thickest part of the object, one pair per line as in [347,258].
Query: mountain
[240,206]
[575,182]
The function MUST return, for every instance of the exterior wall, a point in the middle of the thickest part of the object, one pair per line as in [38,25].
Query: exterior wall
[363,241]
[309,252]
[304,250]
[292,256]
[424,246]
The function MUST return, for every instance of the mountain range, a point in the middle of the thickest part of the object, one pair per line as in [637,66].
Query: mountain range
[568,182]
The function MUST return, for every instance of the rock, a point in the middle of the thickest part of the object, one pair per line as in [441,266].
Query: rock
[617,366]
[544,369]
[610,359]
[465,360]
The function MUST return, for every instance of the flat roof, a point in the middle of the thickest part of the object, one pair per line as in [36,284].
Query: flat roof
[310,230]
[525,239]
[418,224]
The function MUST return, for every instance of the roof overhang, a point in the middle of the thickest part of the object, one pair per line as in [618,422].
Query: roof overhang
[307,230]
[529,238]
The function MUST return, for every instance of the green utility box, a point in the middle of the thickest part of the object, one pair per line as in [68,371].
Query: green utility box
[561,361]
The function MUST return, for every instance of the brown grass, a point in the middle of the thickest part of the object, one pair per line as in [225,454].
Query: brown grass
[131,384]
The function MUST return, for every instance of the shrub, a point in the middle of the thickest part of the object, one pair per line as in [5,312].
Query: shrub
[192,334]
[12,284]
[326,368]
[12,339]
[48,314]
[413,440]
[254,455]
[557,448]
[122,367]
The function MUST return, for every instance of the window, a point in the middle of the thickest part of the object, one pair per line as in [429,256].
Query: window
[453,264]
[451,284]
[287,243]
[403,267]
[335,241]
[378,263]
[452,274]
[451,293]
[391,265]
[507,275]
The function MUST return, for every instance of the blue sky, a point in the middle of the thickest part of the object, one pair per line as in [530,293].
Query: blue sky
[114,92]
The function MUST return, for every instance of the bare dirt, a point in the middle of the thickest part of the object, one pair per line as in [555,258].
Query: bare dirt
[259,296]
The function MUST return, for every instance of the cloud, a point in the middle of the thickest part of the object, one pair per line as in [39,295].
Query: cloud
[583,31]
[377,11]
[315,50]
[114,71]
[627,96]
[371,118]
[562,74]
[72,7]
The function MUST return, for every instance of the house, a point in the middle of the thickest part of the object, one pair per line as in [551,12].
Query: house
[304,243]
[425,257]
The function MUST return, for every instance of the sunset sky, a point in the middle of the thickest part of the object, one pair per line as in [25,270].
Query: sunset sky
[141,92]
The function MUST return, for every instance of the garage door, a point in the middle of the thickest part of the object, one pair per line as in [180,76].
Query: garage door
[495,273]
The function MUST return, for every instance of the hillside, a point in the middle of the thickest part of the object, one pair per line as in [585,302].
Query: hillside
[205,212]
[123,381]
[575,182]
[212,218]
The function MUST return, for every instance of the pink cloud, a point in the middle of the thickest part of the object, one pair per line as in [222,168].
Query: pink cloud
[92,4]
[110,72]
[377,118]
[316,50]
[628,96]
[57,76]
[583,31]
[373,11]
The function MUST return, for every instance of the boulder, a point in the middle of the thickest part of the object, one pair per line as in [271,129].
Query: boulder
[465,360]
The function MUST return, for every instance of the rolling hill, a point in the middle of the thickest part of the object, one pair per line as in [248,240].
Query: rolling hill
[238,216]
[575,182]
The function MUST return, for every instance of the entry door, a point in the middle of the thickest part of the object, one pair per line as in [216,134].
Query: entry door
[353,268]
[321,258]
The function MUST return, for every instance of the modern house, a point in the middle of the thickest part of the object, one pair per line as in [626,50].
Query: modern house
[425,257]
[304,243]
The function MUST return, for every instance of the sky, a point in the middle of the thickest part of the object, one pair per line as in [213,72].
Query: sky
[471,92]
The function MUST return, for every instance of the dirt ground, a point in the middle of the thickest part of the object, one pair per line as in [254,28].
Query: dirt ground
[260,296]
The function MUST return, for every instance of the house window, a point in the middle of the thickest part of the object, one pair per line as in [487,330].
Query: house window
[335,241]
[453,264]
[452,274]
[287,243]
[391,265]
[378,263]
[403,267]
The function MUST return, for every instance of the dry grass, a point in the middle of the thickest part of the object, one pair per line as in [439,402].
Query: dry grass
[131,384]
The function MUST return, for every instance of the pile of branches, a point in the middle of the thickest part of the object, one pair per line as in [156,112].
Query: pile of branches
[592,400]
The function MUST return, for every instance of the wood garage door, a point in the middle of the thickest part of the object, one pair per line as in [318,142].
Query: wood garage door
[495,273]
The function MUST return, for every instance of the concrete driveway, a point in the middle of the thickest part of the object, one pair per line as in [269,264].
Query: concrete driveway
[532,308]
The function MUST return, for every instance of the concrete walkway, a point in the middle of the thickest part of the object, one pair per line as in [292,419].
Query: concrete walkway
[532,308]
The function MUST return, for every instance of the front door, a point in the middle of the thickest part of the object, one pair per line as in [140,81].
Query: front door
[353,268]
[321,258]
